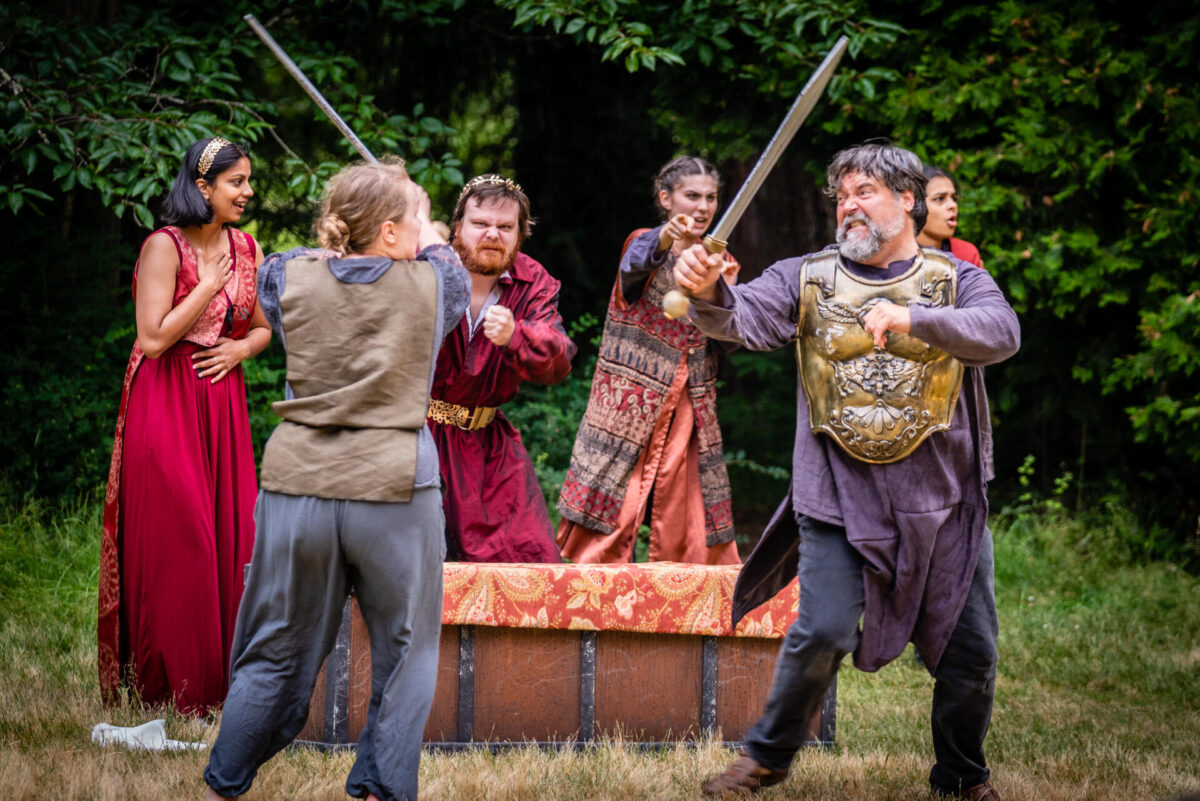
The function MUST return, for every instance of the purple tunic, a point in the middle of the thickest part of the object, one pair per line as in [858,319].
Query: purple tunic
[918,523]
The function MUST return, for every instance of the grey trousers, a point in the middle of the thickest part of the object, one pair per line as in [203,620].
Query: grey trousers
[308,553]
[826,629]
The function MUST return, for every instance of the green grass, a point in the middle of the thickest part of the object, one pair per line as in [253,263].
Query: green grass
[1098,692]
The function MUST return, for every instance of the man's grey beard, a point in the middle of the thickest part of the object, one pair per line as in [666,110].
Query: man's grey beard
[862,248]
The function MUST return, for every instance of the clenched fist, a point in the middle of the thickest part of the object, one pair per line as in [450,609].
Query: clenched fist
[498,325]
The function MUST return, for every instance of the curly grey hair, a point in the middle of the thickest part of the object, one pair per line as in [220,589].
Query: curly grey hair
[900,170]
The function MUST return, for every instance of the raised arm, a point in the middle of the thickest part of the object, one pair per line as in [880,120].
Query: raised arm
[759,315]
[641,257]
[455,282]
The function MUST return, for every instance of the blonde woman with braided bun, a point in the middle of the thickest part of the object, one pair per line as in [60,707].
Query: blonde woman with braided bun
[178,516]
[350,491]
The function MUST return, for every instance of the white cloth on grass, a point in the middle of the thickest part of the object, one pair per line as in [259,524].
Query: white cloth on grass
[150,736]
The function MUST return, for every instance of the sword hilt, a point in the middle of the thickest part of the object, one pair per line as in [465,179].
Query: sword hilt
[714,245]
[676,302]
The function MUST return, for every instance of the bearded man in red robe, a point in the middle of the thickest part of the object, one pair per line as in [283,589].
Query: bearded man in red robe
[512,332]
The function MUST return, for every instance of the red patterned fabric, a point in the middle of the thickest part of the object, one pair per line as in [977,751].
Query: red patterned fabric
[662,597]
[198,427]
[669,472]
[642,354]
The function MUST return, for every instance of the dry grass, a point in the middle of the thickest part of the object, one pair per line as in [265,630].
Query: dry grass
[1109,711]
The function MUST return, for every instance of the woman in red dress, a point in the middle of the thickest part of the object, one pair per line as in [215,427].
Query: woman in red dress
[179,512]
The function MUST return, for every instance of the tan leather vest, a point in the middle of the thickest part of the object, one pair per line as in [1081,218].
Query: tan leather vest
[359,361]
[878,404]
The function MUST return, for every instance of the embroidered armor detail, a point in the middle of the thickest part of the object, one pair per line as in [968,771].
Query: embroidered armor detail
[878,404]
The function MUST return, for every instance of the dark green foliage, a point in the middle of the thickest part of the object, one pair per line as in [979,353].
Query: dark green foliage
[59,423]
[756,406]
[60,386]
[1072,131]
[1072,128]
[110,109]
[759,52]
[264,376]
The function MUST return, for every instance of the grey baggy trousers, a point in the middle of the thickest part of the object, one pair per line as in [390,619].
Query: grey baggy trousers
[308,553]
[826,629]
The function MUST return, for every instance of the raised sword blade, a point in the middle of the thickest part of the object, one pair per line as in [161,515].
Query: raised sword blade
[801,107]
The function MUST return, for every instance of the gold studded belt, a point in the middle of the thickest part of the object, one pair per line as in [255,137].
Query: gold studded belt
[467,419]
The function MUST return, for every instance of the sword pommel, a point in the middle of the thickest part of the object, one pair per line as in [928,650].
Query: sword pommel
[675,304]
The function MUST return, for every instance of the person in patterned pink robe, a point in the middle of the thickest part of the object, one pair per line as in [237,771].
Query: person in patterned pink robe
[649,448]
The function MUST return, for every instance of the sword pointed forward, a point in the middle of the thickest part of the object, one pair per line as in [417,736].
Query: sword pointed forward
[675,303]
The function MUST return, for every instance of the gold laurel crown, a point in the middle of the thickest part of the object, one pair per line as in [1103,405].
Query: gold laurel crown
[210,152]
[489,180]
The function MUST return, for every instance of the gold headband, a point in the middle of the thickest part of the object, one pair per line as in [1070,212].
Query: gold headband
[210,152]
[489,180]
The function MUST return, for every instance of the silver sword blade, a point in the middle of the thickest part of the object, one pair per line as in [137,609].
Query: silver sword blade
[307,85]
[801,106]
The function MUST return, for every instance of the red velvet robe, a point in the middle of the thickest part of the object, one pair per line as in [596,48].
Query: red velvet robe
[495,510]
[178,523]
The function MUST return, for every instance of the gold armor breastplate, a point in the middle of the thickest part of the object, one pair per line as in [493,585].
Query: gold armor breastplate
[879,404]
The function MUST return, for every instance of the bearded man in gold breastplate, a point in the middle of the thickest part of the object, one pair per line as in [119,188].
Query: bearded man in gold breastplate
[885,521]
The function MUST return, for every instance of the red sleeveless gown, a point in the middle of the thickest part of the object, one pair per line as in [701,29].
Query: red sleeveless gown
[179,511]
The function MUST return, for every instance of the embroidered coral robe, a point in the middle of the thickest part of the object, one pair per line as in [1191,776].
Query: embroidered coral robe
[646,363]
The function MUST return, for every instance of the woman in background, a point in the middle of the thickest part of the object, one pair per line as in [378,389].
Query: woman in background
[649,447]
[941,199]
[179,511]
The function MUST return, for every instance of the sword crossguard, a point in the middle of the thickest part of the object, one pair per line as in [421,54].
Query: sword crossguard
[717,246]
[714,245]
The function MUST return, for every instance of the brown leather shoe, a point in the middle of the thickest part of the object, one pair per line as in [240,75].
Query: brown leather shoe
[979,792]
[741,779]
